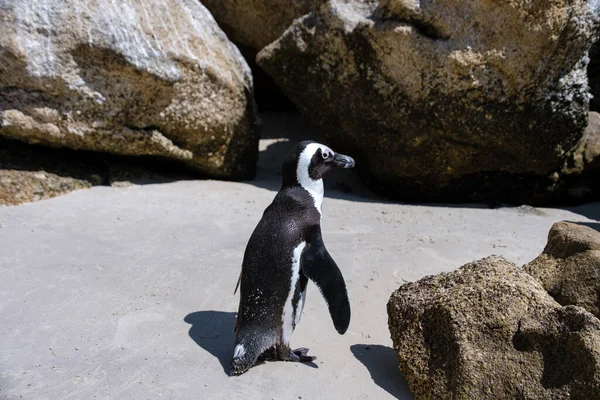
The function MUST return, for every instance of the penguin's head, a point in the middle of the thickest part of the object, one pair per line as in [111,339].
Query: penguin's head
[308,161]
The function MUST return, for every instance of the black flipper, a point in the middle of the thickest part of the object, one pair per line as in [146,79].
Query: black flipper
[320,268]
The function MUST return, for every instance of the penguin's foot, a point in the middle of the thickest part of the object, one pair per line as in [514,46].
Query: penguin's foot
[301,353]
[298,355]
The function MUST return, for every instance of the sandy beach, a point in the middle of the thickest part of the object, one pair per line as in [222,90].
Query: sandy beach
[117,293]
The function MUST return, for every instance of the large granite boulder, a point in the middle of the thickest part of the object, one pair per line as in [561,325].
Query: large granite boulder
[490,331]
[569,267]
[256,23]
[450,100]
[137,77]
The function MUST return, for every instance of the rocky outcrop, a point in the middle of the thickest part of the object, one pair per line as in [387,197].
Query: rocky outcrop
[455,100]
[134,78]
[569,267]
[489,330]
[18,186]
[256,23]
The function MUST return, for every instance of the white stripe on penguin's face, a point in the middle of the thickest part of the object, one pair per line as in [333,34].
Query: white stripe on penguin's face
[312,186]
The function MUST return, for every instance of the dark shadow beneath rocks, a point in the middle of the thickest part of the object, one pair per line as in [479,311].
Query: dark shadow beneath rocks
[213,331]
[30,173]
[281,131]
[590,210]
[81,165]
[382,364]
[267,94]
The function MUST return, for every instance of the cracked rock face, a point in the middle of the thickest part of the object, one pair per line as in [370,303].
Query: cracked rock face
[569,267]
[490,331]
[446,100]
[145,77]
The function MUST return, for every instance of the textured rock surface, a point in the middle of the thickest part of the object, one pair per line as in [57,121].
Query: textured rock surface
[489,330]
[456,100]
[569,267]
[137,78]
[257,23]
[17,186]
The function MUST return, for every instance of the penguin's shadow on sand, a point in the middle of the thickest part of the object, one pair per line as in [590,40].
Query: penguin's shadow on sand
[382,364]
[213,331]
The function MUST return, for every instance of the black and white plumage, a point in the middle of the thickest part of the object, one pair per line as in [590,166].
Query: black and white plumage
[285,250]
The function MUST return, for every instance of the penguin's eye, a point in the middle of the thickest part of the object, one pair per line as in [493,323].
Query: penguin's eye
[325,155]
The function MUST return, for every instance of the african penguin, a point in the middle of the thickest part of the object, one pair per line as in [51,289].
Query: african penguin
[285,250]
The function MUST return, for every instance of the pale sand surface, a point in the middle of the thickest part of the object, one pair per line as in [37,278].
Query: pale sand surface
[116,293]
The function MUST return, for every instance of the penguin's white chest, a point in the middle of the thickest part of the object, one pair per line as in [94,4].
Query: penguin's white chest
[288,308]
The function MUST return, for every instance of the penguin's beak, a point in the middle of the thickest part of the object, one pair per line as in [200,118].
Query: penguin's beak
[340,160]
